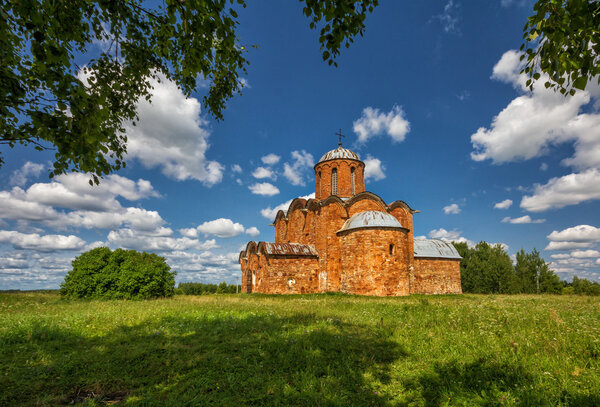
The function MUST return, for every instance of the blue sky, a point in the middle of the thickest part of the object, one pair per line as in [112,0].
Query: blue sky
[430,98]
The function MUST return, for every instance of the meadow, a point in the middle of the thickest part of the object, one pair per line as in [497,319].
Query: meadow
[332,350]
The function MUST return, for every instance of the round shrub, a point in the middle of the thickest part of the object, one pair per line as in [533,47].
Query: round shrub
[102,273]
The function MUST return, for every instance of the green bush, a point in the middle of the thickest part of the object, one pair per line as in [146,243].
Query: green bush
[102,273]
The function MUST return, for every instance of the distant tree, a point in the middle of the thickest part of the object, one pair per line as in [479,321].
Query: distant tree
[201,288]
[102,273]
[533,275]
[485,268]
[563,41]
[72,71]
[582,286]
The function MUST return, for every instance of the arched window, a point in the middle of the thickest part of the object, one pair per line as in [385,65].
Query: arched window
[334,181]
[352,178]
[391,249]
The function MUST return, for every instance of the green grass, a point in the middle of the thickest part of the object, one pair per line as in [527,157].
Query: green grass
[300,350]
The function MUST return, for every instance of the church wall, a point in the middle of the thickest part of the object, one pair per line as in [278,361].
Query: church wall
[436,276]
[330,219]
[295,226]
[288,275]
[368,268]
[364,205]
[249,268]
[406,220]
[280,231]
[344,178]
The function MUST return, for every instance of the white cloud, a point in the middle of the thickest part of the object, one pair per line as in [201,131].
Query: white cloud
[452,209]
[270,213]
[264,188]
[236,168]
[270,159]
[294,172]
[20,176]
[373,123]
[579,233]
[262,172]
[543,167]
[450,236]
[449,17]
[563,191]
[522,219]
[224,228]
[583,254]
[504,204]
[253,231]
[534,121]
[170,134]
[131,239]
[374,169]
[35,241]
[567,245]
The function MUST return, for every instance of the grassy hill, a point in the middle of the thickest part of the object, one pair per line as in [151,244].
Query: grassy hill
[300,350]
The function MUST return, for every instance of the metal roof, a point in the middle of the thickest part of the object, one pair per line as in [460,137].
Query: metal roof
[339,153]
[289,249]
[371,219]
[435,248]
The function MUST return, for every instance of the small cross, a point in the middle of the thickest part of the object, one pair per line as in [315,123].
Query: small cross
[340,135]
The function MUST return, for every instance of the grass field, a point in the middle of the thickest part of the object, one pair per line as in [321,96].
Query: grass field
[300,350]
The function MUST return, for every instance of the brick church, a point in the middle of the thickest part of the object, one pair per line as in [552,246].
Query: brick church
[348,240]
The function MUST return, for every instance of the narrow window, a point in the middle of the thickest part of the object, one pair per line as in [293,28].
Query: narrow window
[319,185]
[352,178]
[391,249]
[334,181]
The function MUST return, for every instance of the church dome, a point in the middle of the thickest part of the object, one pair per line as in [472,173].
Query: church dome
[339,153]
[371,219]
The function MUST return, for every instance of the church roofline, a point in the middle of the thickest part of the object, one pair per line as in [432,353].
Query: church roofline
[303,204]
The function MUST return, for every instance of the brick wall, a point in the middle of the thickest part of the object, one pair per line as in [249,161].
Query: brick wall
[368,267]
[344,179]
[436,276]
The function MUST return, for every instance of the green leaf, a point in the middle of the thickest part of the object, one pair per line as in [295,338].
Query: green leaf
[580,82]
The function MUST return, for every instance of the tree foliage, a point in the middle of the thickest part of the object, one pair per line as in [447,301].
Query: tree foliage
[72,71]
[102,273]
[489,269]
[201,288]
[582,286]
[563,41]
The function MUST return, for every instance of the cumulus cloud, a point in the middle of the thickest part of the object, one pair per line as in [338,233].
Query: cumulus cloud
[29,169]
[522,219]
[374,122]
[236,168]
[567,245]
[262,172]
[221,227]
[253,231]
[450,236]
[35,241]
[295,171]
[576,237]
[374,169]
[453,209]
[503,204]
[171,135]
[132,239]
[583,254]
[534,121]
[264,188]
[270,213]
[579,233]
[564,191]
[270,159]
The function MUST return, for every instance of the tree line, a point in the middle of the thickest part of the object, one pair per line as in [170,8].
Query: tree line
[488,269]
